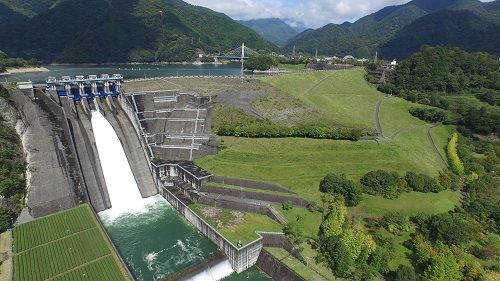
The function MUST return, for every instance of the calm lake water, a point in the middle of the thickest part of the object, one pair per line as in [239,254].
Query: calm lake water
[129,71]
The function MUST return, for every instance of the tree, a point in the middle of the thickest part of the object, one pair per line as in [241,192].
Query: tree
[339,184]
[449,229]
[7,218]
[405,273]
[332,225]
[261,63]
[443,267]
[294,233]
[381,182]
[338,256]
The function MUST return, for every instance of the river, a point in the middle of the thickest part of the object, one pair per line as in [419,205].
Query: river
[152,237]
[129,71]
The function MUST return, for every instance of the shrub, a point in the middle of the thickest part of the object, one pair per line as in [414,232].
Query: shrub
[423,183]
[287,205]
[339,185]
[456,164]
[395,223]
[428,114]
[381,183]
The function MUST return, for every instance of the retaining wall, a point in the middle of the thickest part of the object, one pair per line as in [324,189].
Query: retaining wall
[238,206]
[249,184]
[240,258]
[274,268]
[299,202]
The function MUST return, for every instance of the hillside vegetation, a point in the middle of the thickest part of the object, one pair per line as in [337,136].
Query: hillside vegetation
[446,78]
[121,31]
[397,31]
[274,30]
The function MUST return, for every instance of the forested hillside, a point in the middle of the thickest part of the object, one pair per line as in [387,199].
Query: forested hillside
[462,29]
[275,30]
[401,30]
[446,77]
[119,31]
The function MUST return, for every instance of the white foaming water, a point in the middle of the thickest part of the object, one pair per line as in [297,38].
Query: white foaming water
[122,188]
[217,272]
[124,192]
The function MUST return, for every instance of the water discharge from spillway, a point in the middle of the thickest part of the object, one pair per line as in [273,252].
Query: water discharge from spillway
[151,236]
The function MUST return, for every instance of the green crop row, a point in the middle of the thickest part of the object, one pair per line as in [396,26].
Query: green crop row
[104,269]
[59,256]
[456,164]
[51,228]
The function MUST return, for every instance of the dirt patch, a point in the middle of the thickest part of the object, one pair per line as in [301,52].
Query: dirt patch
[224,218]
[6,256]
[253,96]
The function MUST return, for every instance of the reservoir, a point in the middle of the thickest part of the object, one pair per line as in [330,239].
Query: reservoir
[129,71]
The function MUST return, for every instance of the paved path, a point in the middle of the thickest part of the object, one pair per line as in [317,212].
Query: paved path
[313,87]
[434,146]
[378,127]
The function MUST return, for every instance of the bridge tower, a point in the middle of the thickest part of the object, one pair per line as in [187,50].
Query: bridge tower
[242,51]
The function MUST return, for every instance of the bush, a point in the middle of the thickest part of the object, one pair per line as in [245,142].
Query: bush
[422,183]
[381,183]
[395,223]
[339,185]
[491,97]
[287,205]
[456,164]
[428,114]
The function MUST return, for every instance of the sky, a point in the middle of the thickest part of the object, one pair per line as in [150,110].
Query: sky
[312,13]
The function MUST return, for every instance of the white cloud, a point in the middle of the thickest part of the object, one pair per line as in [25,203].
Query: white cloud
[313,13]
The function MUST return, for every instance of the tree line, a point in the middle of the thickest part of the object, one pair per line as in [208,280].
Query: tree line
[431,75]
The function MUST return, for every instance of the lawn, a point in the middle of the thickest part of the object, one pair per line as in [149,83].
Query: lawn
[343,96]
[69,245]
[408,203]
[299,164]
[291,67]
[235,225]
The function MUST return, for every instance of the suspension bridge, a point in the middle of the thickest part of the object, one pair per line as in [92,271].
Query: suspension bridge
[241,53]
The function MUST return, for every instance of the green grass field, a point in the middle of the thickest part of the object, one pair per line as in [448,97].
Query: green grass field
[299,164]
[292,67]
[69,245]
[233,230]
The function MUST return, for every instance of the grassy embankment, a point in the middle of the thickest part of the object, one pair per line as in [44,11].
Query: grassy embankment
[291,67]
[234,225]
[69,245]
[343,98]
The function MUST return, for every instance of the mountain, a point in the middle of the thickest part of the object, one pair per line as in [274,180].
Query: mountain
[365,36]
[459,28]
[275,30]
[120,31]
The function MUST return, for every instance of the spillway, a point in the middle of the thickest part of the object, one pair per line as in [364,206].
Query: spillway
[154,240]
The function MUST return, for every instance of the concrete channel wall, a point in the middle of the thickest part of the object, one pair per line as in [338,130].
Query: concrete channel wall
[241,259]
[276,269]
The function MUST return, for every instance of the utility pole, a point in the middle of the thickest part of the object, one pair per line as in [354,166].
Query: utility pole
[293,52]
[376,56]
[316,54]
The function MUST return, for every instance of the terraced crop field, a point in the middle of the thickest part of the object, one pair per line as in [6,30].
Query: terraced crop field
[66,246]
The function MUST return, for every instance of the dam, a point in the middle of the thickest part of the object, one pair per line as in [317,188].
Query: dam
[152,238]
